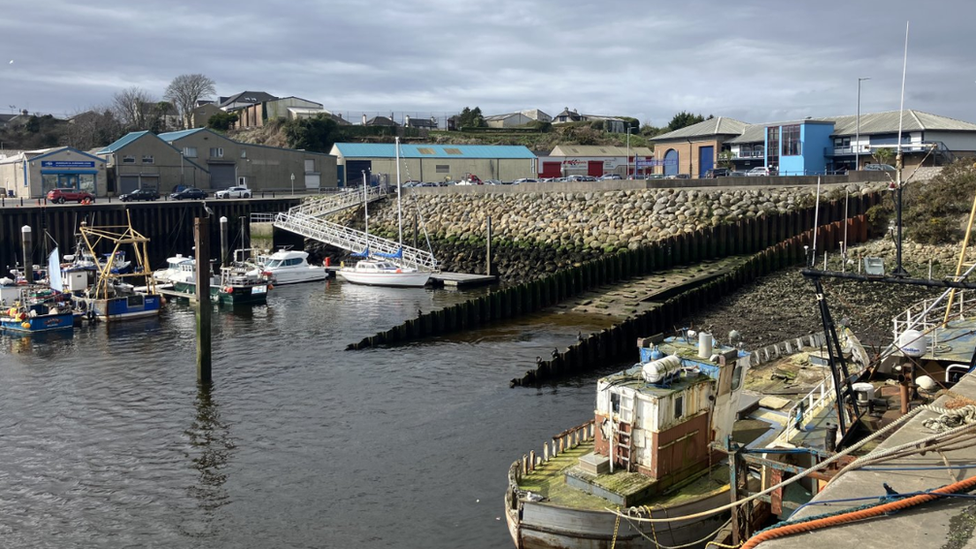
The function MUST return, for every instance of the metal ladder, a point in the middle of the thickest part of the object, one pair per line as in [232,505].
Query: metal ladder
[625,435]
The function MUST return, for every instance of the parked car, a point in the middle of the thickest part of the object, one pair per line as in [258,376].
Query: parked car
[60,196]
[759,171]
[879,168]
[140,194]
[716,172]
[524,180]
[493,182]
[609,176]
[679,176]
[190,193]
[737,173]
[234,192]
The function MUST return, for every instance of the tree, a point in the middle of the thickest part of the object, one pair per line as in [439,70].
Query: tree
[222,121]
[312,134]
[684,119]
[725,160]
[882,155]
[471,118]
[185,90]
[93,128]
[128,106]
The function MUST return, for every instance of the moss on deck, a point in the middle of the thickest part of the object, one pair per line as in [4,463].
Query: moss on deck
[549,480]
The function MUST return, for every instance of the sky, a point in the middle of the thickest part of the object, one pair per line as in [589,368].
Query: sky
[756,61]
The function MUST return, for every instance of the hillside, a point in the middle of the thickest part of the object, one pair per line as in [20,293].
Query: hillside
[536,140]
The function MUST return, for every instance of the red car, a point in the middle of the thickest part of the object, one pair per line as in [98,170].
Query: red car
[60,196]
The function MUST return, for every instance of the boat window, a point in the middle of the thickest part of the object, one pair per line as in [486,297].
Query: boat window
[615,403]
[736,377]
[678,407]
[274,263]
[294,261]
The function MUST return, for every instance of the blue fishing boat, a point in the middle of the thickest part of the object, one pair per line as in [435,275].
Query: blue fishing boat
[37,309]
[112,297]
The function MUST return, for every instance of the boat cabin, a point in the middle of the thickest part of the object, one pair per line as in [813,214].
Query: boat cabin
[660,417]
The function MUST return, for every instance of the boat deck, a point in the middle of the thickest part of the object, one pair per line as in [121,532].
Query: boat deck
[952,343]
[549,480]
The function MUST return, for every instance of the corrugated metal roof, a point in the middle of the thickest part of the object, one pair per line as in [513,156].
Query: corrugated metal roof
[121,142]
[887,122]
[721,125]
[388,150]
[598,150]
[169,137]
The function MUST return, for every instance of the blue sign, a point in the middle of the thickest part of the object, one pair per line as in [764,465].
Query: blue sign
[67,163]
[644,163]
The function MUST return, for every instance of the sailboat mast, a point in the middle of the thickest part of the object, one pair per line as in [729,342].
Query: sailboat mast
[366,211]
[399,209]
[899,162]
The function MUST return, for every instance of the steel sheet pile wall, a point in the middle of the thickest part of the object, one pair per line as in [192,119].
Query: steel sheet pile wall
[169,225]
[776,240]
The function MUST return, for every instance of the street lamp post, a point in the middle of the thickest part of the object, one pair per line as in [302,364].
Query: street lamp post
[857,129]
[630,129]
[293,184]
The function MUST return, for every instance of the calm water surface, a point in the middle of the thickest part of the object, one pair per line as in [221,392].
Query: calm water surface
[107,441]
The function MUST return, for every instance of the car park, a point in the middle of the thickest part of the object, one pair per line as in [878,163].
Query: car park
[234,192]
[140,194]
[189,193]
[60,196]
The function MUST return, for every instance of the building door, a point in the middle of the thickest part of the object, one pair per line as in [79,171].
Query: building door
[149,182]
[706,160]
[128,183]
[594,168]
[67,181]
[551,169]
[671,162]
[312,181]
[221,176]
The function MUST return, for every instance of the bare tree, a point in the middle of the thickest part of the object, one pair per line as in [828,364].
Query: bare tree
[96,127]
[129,108]
[184,92]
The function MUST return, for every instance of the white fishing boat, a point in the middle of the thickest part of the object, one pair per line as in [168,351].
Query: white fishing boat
[178,267]
[382,270]
[289,267]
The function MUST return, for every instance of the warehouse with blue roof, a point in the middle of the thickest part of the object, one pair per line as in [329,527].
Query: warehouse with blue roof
[435,163]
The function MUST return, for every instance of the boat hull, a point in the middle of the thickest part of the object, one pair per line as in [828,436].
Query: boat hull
[126,307]
[537,525]
[38,324]
[296,276]
[239,295]
[402,280]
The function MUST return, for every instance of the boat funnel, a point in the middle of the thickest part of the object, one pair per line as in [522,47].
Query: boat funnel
[704,345]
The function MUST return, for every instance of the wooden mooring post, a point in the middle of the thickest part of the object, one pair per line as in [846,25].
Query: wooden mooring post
[201,235]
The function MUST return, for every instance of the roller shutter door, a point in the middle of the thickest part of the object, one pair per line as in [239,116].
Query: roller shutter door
[221,176]
[128,183]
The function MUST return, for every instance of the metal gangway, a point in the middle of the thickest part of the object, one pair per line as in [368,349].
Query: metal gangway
[307,219]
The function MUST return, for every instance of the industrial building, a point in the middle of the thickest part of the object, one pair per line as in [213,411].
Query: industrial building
[814,145]
[31,174]
[208,160]
[434,163]
[595,160]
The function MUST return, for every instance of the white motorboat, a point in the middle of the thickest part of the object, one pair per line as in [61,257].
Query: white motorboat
[375,272]
[178,268]
[289,267]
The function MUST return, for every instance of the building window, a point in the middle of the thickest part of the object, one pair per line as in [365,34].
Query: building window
[216,152]
[309,166]
[147,159]
[442,168]
[243,153]
[128,159]
[772,146]
[190,152]
[791,140]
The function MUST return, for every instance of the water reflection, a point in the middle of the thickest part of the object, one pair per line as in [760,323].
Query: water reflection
[44,344]
[210,450]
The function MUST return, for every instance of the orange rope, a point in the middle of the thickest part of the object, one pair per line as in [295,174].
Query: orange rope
[790,529]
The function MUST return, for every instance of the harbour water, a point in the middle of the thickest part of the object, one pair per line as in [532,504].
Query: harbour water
[107,441]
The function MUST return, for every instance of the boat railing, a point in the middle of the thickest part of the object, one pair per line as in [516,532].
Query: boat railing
[807,407]
[927,315]
[566,440]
